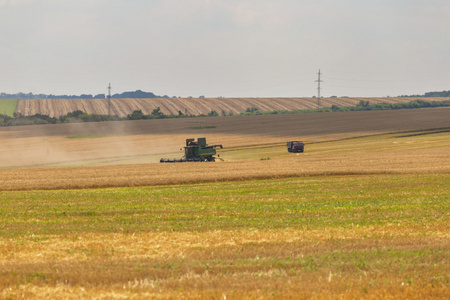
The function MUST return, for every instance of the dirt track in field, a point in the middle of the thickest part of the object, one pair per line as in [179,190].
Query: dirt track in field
[188,106]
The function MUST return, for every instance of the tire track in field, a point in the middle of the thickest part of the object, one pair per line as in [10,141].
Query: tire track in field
[27,108]
[202,107]
[189,108]
[92,107]
[47,109]
[39,107]
[115,108]
[151,105]
[282,104]
[66,106]
[125,107]
[165,107]
[102,107]
[174,109]
[260,105]
[279,104]
[237,105]
[192,109]
[84,107]
[223,106]
[178,106]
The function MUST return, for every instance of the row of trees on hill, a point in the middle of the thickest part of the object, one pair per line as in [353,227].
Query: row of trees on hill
[28,96]
[38,119]
[135,94]
[431,94]
[361,106]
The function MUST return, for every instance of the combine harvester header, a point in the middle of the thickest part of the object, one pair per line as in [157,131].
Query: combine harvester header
[195,151]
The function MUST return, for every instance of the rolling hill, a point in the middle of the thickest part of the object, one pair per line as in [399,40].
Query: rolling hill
[188,106]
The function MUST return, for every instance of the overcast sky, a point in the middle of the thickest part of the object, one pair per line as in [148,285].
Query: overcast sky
[230,48]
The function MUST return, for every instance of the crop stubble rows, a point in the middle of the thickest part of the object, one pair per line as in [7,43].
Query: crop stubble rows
[189,106]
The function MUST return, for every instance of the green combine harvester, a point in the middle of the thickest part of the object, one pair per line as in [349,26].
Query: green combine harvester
[196,151]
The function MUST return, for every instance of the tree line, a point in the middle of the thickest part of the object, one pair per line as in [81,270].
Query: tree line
[135,94]
[361,106]
[431,94]
[80,117]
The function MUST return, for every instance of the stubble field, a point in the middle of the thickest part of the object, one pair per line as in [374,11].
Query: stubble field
[190,106]
[363,213]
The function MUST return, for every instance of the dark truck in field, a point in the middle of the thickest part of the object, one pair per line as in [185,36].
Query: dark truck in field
[295,146]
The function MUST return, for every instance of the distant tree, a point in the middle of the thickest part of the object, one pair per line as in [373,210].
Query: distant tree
[363,103]
[252,111]
[136,115]
[75,114]
[157,113]
[431,94]
[135,94]
[334,107]
[213,113]
[438,94]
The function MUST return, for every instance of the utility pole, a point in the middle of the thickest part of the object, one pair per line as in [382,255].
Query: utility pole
[318,89]
[109,99]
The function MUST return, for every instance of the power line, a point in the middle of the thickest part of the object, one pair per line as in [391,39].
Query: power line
[109,99]
[318,89]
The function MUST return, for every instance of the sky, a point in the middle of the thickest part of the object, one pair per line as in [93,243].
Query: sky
[225,48]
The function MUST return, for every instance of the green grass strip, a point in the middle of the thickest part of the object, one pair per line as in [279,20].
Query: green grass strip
[302,203]
[8,107]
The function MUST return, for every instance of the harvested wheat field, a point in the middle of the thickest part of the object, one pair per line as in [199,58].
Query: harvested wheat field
[147,141]
[189,106]
[87,212]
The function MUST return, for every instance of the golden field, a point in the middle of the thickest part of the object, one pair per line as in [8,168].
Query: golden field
[340,236]
[87,212]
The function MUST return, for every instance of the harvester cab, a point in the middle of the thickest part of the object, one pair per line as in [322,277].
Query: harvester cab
[196,151]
